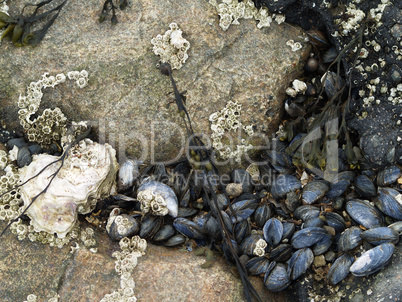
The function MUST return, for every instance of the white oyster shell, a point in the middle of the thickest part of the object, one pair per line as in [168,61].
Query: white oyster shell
[88,174]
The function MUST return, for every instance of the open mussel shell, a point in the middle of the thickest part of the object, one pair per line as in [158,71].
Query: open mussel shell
[188,228]
[307,237]
[299,263]
[273,231]
[166,232]
[249,244]
[277,279]
[364,186]
[257,266]
[380,235]
[281,253]
[373,260]
[389,201]
[364,213]
[388,176]
[340,269]
[314,190]
[262,214]
[306,212]
[284,184]
[350,239]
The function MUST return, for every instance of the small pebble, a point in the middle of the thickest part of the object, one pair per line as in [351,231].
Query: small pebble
[319,261]
[234,190]
[329,229]
[254,172]
[330,256]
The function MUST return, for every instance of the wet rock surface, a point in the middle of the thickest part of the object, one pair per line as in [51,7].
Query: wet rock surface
[127,96]
[380,134]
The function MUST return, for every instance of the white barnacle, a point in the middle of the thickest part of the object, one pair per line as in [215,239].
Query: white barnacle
[299,86]
[264,18]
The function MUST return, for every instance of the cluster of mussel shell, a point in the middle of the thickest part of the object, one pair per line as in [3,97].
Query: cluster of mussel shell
[353,221]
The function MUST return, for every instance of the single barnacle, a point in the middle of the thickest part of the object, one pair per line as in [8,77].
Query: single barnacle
[264,18]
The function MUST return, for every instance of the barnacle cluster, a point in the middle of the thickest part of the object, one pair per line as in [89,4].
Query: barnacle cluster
[171,47]
[370,65]
[297,87]
[157,198]
[228,120]
[152,202]
[122,222]
[50,126]
[10,203]
[230,11]
[259,249]
[87,237]
[126,261]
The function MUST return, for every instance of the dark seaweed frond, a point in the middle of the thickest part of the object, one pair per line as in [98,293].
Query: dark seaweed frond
[18,28]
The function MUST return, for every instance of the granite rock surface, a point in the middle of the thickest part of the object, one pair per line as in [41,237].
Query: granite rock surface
[127,96]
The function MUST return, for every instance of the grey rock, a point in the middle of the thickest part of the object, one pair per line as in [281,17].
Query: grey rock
[379,133]
[127,96]
[172,274]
